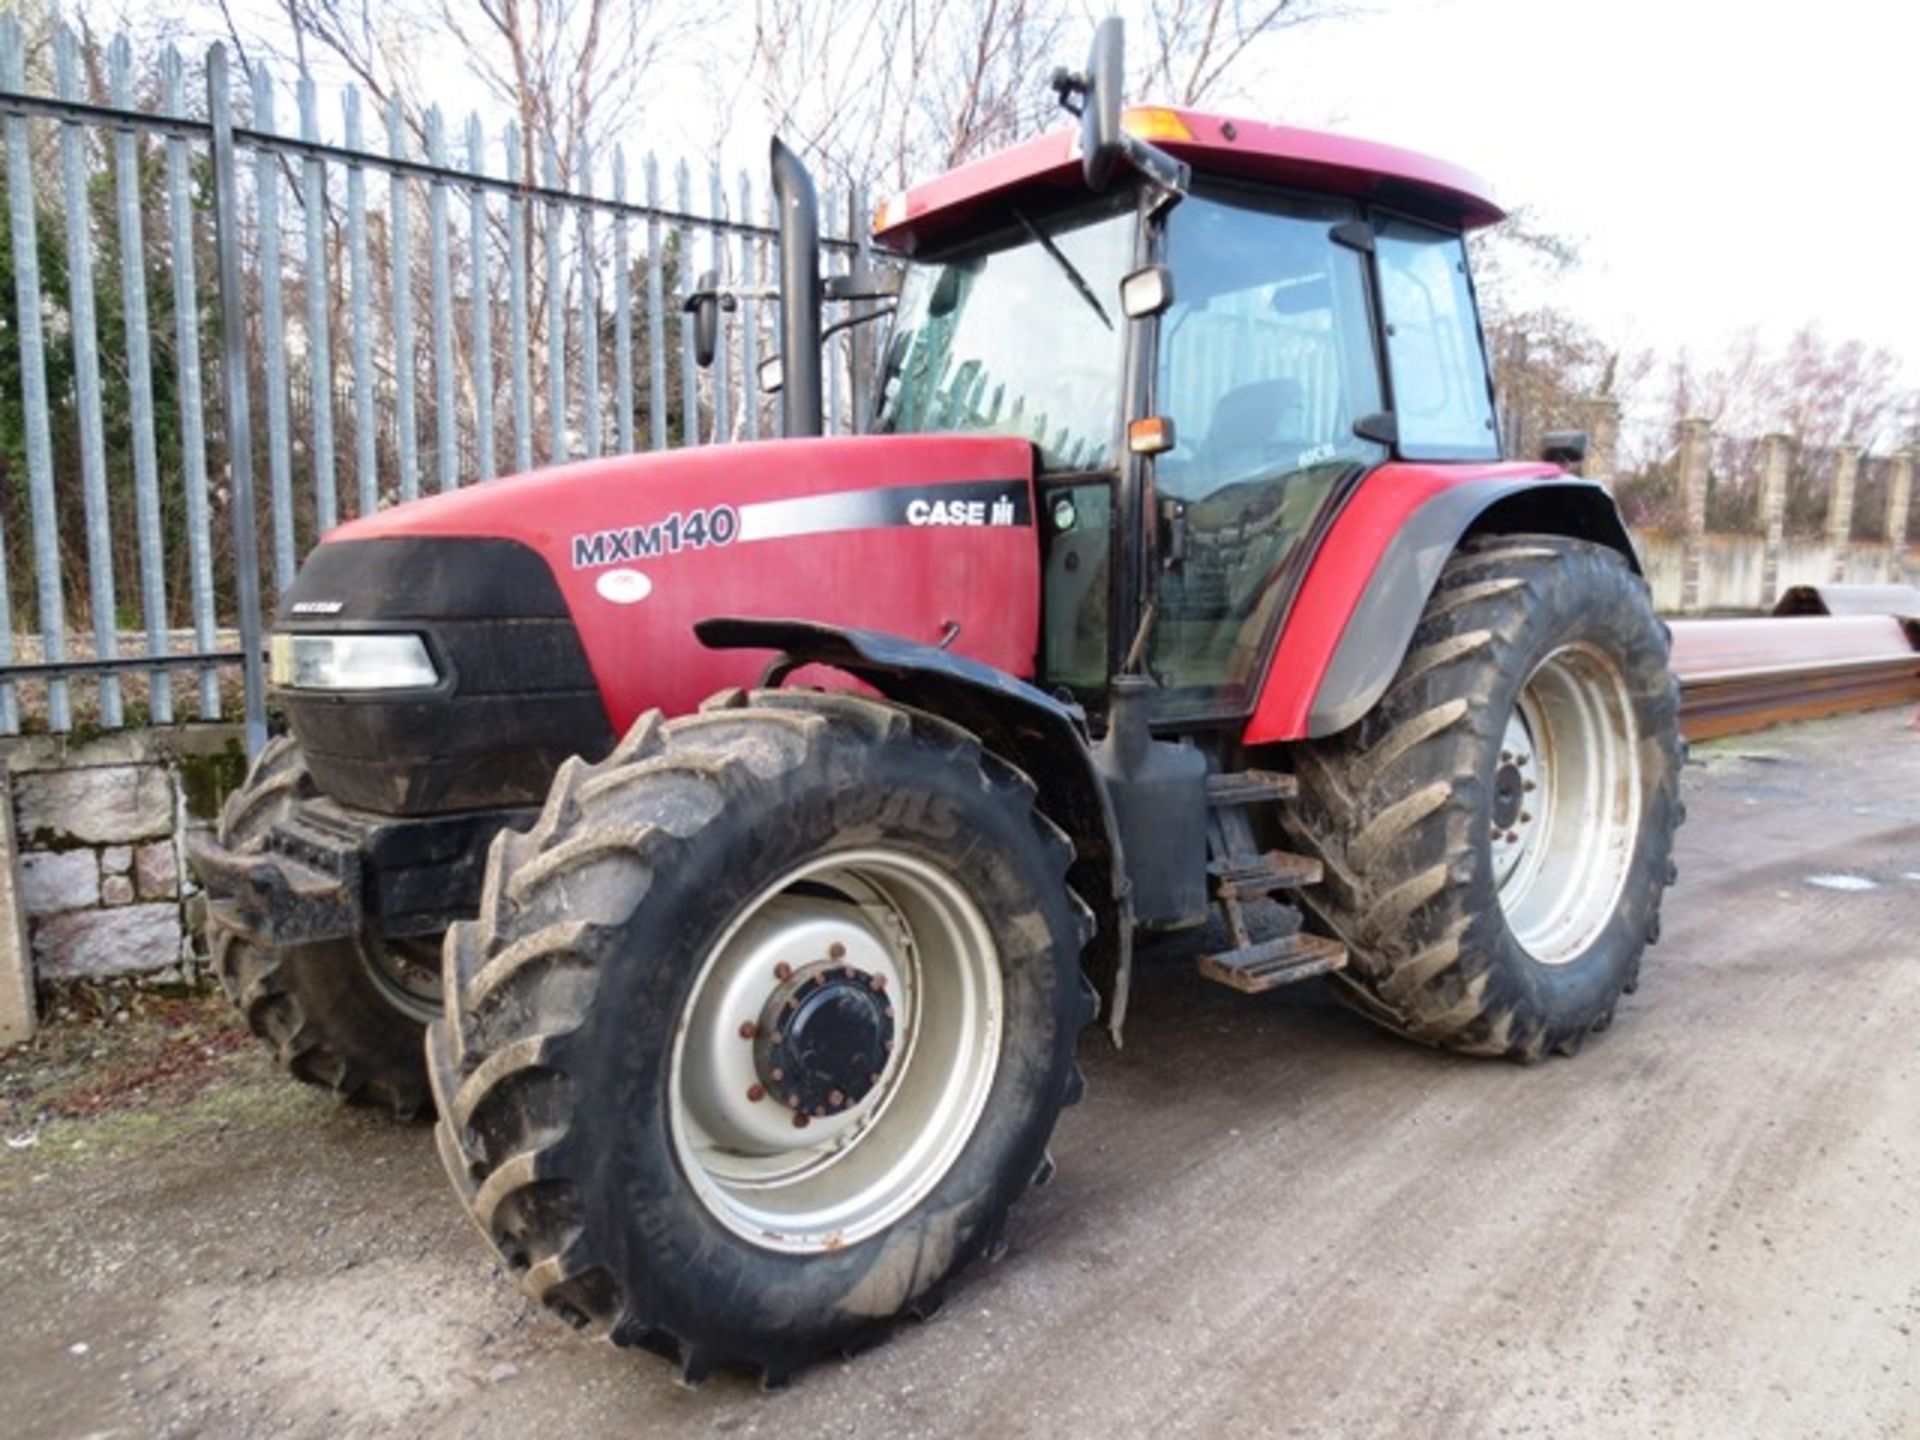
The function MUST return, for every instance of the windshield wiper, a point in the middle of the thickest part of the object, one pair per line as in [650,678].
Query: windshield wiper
[1067,267]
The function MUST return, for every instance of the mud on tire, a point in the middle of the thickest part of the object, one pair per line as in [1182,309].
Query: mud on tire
[556,1061]
[318,1007]
[1411,808]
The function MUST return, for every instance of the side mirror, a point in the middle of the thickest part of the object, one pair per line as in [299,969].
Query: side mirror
[1567,448]
[705,304]
[947,291]
[1094,95]
[1147,291]
[868,287]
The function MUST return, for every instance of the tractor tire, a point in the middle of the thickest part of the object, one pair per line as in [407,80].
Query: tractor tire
[632,1107]
[330,1012]
[1498,832]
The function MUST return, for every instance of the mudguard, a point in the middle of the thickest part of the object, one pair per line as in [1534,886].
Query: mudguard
[1349,627]
[1044,736]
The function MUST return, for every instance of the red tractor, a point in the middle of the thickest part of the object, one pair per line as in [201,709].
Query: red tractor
[750,831]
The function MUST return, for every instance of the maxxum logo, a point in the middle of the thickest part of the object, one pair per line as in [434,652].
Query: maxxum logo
[964,504]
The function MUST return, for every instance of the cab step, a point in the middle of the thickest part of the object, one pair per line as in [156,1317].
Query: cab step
[1270,964]
[1250,787]
[1239,872]
[1248,877]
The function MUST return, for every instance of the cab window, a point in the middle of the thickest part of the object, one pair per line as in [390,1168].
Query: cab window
[1266,360]
[1436,360]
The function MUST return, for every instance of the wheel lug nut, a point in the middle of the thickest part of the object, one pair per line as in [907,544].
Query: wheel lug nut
[783,971]
[836,951]
[775,1038]
[1528,785]
[756,1093]
[1512,837]
[778,1075]
[1525,817]
[879,982]
[836,1098]
[800,1120]
[748,1030]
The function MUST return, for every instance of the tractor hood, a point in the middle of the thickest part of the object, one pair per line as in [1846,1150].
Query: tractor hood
[929,537]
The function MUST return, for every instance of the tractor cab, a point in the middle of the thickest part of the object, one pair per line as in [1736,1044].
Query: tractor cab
[1206,358]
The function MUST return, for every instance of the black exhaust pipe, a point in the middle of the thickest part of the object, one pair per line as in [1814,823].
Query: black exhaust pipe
[799,217]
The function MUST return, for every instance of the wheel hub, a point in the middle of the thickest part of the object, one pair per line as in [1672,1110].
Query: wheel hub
[1508,787]
[837,1049]
[824,1038]
[1565,807]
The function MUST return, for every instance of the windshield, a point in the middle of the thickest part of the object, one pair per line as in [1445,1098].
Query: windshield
[1022,336]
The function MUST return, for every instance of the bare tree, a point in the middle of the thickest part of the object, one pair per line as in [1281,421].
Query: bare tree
[1196,48]
[878,91]
[883,91]
[569,71]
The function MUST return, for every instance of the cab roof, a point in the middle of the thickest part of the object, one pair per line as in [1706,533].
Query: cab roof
[950,205]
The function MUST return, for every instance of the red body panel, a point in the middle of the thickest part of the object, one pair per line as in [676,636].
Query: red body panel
[973,563]
[1339,574]
[1269,154]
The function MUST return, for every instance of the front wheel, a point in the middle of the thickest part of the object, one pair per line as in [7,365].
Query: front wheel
[346,1015]
[1497,833]
[762,1028]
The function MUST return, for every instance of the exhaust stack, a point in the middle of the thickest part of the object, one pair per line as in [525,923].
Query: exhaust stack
[799,210]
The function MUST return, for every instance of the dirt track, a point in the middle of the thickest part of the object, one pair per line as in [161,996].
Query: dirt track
[1269,1218]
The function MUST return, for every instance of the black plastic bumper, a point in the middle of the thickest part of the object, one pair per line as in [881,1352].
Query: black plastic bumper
[327,872]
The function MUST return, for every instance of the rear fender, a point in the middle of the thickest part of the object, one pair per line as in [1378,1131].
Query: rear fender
[1350,625]
[1027,727]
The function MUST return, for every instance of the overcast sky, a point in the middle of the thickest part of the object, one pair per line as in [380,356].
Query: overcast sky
[1723,164]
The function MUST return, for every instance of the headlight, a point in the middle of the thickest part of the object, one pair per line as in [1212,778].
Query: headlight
[351,662]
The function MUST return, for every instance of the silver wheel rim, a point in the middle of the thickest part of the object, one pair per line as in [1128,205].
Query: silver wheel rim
[406,972]
[900,945]
[1566,804]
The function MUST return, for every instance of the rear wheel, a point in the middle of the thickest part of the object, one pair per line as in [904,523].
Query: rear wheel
[1497,833]
[762,1028]
[346,1015]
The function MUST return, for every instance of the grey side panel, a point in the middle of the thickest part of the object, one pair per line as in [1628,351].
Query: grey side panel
[1377,633]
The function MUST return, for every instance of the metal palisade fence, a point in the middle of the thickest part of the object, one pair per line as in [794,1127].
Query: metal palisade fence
[214,291]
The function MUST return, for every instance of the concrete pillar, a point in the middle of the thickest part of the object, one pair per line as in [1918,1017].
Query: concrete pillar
[1603,439]
[1773,513]
[1846,470]
[17,1015]
[1695,436]
[1899,500]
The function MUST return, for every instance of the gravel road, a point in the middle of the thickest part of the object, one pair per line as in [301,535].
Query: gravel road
[1269,1218]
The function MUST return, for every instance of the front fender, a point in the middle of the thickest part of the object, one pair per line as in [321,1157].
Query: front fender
[1350,625]
[1025,726]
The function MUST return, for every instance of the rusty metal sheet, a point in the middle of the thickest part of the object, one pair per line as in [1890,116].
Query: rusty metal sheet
[1740,675]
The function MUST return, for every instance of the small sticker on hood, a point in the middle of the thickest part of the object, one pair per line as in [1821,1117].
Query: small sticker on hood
[623,587]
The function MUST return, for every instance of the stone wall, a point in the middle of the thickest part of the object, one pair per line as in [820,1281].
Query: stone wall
[1733,573]
[100,827]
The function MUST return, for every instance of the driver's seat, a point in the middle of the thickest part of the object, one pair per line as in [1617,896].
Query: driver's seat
[1248,421]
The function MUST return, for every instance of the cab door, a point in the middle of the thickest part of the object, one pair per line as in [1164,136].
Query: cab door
[1266,360]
